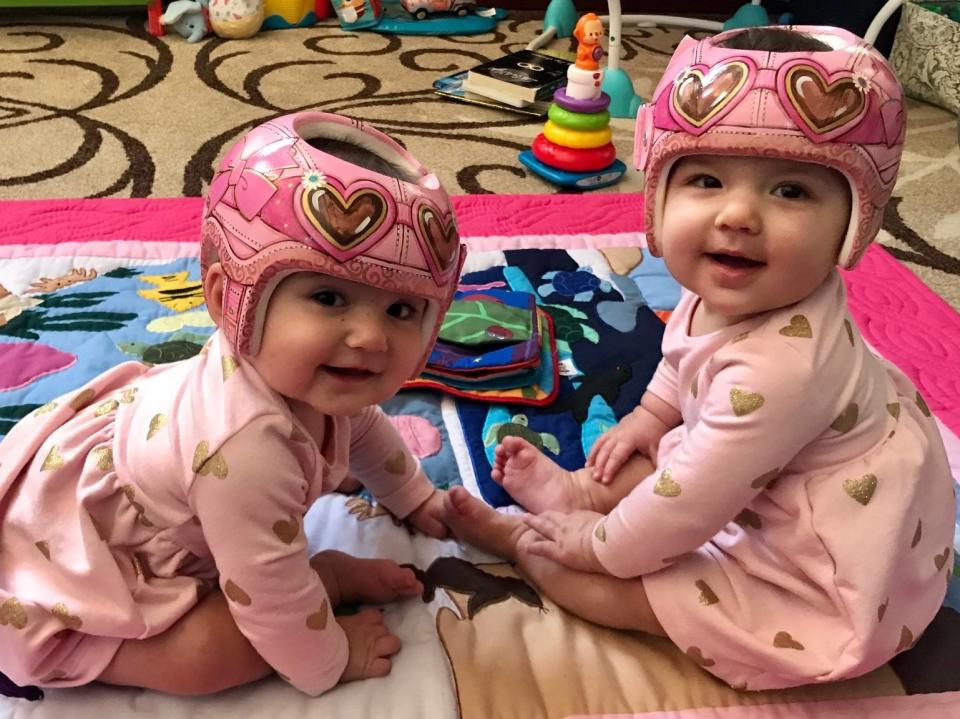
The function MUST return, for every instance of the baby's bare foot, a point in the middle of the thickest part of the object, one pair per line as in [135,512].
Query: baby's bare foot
[534,480]
[473,521]
[372,581]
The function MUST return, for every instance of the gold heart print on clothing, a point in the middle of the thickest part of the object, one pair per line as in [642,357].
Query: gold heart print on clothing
[744,402]
[228,365]
[52,461]
[707,596]
[906,640]
[766,480]
[396,463]
[665,485]
[103,456]
[893,409]
[130,493]
[44,548]
[783,640]
[600,532]
[847,419]
[236,594]
[205,463]
[106,407]
[696,655]
[13,613]
[861,488]
[128,395]
[849,328]
[48,407]
[940,560]
[297,435]
[70,621]
[918,533]
[882,609]
[749,518]
[799,327]
[921,403]
[286,530]
[83,399]
[318,620]
[157,422]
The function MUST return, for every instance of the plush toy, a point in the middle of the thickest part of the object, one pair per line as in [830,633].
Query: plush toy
[187,18]
[235,19]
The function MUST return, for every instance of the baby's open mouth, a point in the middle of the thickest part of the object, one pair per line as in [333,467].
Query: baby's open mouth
[734,261]
[348,372]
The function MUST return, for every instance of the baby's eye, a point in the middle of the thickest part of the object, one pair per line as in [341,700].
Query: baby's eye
[708,182]
[402,310]
[791,191]
[329,298]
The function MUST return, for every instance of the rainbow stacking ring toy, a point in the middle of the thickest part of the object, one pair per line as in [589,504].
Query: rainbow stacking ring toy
[573,159]
[593,104]
[585,122]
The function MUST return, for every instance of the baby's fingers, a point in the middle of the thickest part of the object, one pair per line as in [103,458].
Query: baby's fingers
[546,548]
[540,524]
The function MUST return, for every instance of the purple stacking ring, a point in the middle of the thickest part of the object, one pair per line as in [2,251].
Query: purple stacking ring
[573,104]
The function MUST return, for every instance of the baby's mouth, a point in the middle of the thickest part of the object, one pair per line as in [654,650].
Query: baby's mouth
[737,262]
[348,372]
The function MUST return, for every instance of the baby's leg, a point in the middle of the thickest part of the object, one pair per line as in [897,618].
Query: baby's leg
[202,653]
[538,483]
[599,598]
[352,579]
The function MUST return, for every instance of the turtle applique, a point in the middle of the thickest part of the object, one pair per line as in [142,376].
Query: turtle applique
[517,427]
[579,285]
[180,346]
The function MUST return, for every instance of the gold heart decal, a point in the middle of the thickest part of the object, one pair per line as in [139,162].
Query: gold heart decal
[697,655]
[204,463]
[766,480]
[923,405]
[665,485]
[861,488]
[849,328]
[744,402]
[917,534]
[442,237]
[287,530]
[799,327]
[783,640]
[228,365]
[318,620]
[70,621]
[740,337]
[344,222]
[106,407]
[749,518]
[103,456]
[128,395]
[157,422]
[698,98]
[707,595]
[48,407]
[236,594]
[940,560]
[13,613]
[824,107]
[396,463]
[53,460]
[893,409]
[906,640]
[83,399]
[882,609]
[847,419]
[44,548]
[600,532]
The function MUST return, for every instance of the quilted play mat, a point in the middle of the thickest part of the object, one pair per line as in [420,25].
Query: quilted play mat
[86,284]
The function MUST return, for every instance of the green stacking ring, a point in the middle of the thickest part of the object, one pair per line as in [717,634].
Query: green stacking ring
[578,120]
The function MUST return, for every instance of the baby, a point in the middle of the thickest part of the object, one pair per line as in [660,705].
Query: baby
[779,504]
[153,519]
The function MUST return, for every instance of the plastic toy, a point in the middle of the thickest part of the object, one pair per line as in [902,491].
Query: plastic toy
[282,14]
[575,148]
[357,14]
[187,18]
[236,19]
[421,9]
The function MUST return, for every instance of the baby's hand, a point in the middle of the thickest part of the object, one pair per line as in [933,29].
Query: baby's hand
[638,432]
[565,538]
[370,643]
[429,516]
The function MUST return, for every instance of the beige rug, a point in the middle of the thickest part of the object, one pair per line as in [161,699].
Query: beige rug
[96,107]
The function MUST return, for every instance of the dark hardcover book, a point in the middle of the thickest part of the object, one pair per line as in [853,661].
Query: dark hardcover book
[451,86]
[525,76]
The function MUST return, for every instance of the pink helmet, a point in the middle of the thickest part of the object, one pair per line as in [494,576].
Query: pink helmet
[842,108]
[279,205]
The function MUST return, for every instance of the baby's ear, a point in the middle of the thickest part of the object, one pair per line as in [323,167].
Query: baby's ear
[213,284]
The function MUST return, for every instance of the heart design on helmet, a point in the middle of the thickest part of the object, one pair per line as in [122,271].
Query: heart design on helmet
[441,235]
[344,218]
[700,98]
[823,106]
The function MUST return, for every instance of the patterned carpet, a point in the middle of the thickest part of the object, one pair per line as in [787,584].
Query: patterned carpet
[96,107]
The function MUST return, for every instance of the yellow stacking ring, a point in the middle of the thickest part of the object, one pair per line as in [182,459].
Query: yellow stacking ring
[576,139]
[580,121]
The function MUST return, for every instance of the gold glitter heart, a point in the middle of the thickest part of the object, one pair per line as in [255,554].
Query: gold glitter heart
[236,594]
[157,422]
[13,613]
[48,407]
[799,327]
[707,595]
[318,620]
[286,531]
[53,460]
[882,609]
[44,548]
[744,402]
[128,395]
[893,409]
[849,328]
[665,485]
[906,640]
[103,456]
[847,419]
[922,405]
[600,532]
[766,480]
[205,463]
[740,337]
[106,407]
[83,399]
[693,385]
[783,640]
[228,365]
[749,518]
[397,463]
[70,621]
[941,559]
[296,435]
[697,655]
[917,534]
[861,488]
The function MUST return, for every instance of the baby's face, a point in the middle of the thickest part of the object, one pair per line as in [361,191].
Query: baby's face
[749,234]
[338,345]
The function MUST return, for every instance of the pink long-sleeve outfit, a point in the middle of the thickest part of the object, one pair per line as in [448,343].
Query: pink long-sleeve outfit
[122,501]
[799,524]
